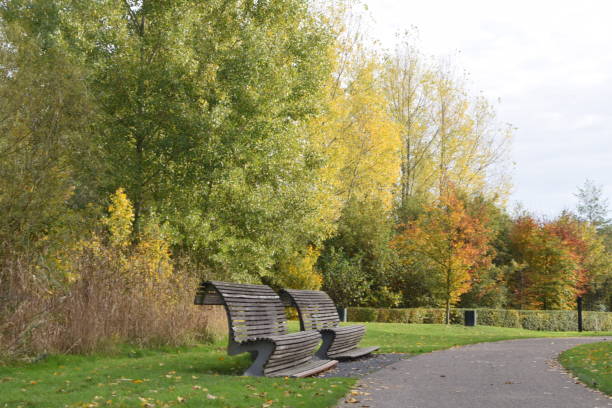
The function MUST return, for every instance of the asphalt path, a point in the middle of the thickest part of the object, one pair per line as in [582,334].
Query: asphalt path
[505,374]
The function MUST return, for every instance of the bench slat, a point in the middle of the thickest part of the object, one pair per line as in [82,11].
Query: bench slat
[318,311]
[307,369]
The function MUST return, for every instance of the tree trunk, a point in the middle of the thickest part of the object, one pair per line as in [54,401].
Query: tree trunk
[447,311]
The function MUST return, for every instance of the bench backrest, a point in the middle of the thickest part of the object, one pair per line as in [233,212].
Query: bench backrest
[316,309]
[253,311]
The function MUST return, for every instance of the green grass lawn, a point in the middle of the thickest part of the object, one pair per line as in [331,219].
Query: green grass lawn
[423,338]
[206,376]
[192,377]
[592,364]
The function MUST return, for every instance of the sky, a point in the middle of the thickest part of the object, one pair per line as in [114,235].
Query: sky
[548,63]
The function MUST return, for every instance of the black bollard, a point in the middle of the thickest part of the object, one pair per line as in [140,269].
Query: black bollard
[579,302]
[470,317]
[342,314]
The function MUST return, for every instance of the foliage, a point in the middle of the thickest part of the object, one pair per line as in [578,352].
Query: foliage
[593,208]
[591,364]
[557,260]
[451,243]
[44,108]
[298,271]
[359,140]
[343,278]
[200,115]
[546,276]
[447,135]
[360,251]
[120,219]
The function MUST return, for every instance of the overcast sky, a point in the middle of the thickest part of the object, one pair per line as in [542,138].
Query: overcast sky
[549,63]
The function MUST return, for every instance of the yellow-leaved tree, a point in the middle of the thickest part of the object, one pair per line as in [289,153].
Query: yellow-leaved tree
[149,259]
[120,219]
[358,138]
[297,270]
[447,136]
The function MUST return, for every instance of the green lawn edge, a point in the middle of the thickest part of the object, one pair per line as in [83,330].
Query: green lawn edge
[204,375]
[591,364]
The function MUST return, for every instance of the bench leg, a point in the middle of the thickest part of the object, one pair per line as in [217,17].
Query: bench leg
[260,352]
[328,339]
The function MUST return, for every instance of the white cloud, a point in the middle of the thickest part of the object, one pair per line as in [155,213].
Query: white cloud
[550,64]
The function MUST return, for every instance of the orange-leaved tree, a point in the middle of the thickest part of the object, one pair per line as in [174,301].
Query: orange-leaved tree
[450,243]
[560,259]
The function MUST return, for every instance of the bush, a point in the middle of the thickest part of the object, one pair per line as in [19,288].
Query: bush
[548,320]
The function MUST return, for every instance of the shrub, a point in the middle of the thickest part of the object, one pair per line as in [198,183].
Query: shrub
[548,320]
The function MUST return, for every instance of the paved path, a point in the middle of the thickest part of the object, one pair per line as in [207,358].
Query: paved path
[505,374]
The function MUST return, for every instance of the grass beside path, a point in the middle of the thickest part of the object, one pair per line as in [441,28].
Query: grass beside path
[206,376]
[202,376]
[423,338]
[592,364]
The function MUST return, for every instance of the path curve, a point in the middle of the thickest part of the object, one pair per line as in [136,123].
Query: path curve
[505,374]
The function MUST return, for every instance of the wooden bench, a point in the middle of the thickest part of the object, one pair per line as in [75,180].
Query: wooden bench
[257,324]
[318,312]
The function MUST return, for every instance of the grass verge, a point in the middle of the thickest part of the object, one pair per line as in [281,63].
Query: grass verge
[423,338]
[193,377]
[206,376]
[592,364]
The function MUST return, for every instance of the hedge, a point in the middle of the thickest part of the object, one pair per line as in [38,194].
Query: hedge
[550,320]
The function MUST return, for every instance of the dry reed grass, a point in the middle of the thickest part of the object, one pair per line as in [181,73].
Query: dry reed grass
[103,308]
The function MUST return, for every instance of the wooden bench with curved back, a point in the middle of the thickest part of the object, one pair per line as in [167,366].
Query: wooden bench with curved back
[257,324]
[317,311]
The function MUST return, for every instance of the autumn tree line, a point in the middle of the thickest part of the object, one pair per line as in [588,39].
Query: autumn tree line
[146,145]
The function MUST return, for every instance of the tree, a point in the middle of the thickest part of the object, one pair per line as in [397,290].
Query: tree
[44,116]
[404,77]
[450,243]
[358,138]
[201,118]
[592,206]
[447,135]
[489,287]
[559,260]
[343,278]
[361,242]
[297,271]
